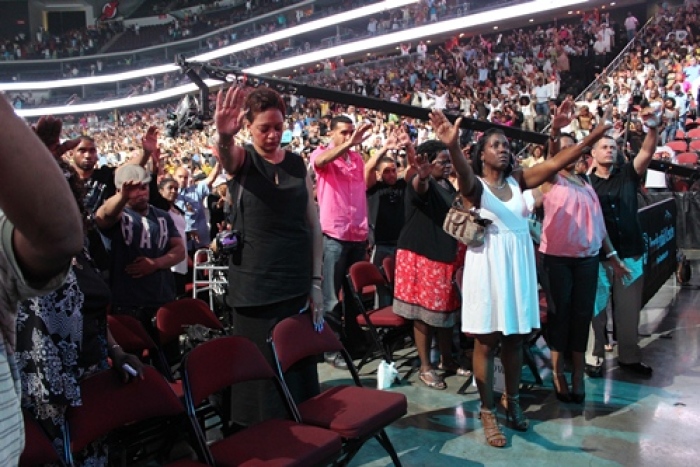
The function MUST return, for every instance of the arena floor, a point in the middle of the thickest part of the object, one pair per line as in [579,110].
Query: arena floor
[624,421]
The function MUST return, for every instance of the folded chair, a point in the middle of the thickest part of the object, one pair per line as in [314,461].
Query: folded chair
[356,413]
[111,407]
[386,328]
[38,448]
[223,362]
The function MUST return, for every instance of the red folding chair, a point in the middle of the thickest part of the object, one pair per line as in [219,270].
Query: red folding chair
[693,134]
[385,327]
[223,362]
[130,334]
[678,145]
[689,158]
[112,407]
[356,413]
[173,319]
[38,448]
[388,268]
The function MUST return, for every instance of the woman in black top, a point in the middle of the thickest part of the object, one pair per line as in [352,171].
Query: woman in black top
[278,266]
[426,260]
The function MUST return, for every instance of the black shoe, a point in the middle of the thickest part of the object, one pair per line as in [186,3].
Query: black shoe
[577,398]
[336,360]
[594,371]
[639,368]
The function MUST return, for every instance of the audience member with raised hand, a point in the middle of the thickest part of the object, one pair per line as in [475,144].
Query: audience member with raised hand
[426,259]
[573,234]
[617,186]
[62,338]
[500,302]
[40,235]
[385,195]
[340,190]
[277,266]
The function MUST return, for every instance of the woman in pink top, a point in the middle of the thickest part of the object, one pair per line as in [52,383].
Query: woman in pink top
[573,232]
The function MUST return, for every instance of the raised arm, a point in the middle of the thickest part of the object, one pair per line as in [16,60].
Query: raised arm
[111,210]
[641,162]
[449,134]
[371,164]
[149,145]
[358,136]
[540,173]
[229,116]
[48,230]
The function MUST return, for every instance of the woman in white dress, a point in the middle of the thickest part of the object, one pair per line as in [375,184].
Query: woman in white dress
[499,289]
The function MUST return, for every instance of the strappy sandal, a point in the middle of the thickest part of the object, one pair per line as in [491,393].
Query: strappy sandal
[455,370]
[493,433]
[431,379]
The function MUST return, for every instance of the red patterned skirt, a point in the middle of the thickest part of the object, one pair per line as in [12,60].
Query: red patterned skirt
[424,289]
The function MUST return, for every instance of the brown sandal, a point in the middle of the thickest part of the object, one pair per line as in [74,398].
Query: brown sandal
[493,433]
[431,379]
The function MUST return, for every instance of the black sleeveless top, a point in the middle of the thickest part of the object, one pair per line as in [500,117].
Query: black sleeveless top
[275,262]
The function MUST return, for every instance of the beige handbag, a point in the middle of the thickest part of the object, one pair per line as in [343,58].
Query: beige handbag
[465,224]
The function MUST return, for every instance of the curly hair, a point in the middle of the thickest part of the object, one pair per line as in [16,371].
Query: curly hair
[431,149]
[262,99]
[477,163]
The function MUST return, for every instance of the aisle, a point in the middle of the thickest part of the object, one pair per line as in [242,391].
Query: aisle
[625,420]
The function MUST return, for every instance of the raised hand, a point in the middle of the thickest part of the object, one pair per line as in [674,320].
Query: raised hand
[403,137]
[149,142]
[650,117]
[563,115]
[229,112]
[361,133]
[444,130]
[421,165]
[48,129]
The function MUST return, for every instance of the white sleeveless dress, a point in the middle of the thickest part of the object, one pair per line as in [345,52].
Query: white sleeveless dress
[499,287]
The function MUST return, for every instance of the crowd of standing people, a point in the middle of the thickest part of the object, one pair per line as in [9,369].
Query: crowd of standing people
[356,184]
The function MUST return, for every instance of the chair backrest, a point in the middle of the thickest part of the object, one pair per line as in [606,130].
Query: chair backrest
[128,332]
[693,134]
[295,338]
[389,265]
[38,448]
[678,145]
[109,403]
[689,158]
[363,274]
[173,318]
[694,145]
[220,363]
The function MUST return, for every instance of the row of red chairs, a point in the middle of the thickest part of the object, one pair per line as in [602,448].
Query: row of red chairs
[331,427]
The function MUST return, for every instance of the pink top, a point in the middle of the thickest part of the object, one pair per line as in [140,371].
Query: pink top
[573,223]
[340,190]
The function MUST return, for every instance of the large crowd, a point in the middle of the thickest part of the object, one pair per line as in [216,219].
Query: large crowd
[315,187]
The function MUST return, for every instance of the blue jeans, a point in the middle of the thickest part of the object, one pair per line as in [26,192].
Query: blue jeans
[338,256]
[542,108]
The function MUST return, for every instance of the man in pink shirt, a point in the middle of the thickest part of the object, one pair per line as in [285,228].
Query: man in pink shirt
[340,190]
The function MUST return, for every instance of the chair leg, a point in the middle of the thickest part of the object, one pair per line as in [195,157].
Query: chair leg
[388,446]
[531,364]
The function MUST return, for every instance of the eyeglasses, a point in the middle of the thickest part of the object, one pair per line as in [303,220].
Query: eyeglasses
[443,162]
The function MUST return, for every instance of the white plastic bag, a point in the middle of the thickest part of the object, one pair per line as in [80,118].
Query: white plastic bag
[386,374]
